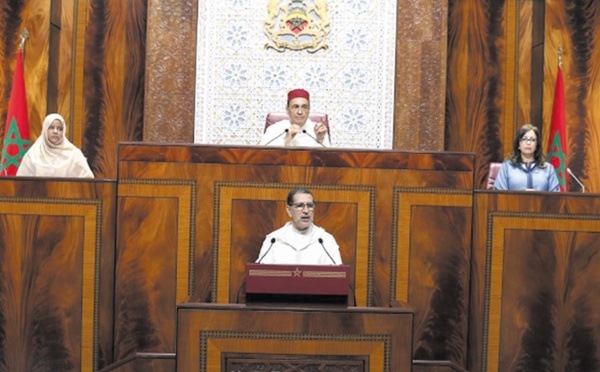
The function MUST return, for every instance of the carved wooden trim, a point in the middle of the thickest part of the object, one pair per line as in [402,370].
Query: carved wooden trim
[214,343]
[497,224]
[186,193]
[227,191]
[404,199]
[91,212]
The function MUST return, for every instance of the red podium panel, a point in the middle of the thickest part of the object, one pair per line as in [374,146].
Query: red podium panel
[297,283]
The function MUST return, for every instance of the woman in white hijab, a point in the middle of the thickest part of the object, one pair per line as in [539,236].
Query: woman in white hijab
[53,155]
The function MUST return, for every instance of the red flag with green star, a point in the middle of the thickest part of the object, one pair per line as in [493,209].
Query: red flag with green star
[557,143]
[16,132]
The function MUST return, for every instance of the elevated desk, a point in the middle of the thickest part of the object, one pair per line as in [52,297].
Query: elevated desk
[535,282]
[57,243]
[222,337]
[191,216]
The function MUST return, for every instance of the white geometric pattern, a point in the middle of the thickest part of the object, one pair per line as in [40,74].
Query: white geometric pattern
[238,81]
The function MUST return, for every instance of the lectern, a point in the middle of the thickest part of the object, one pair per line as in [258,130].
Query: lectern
[308,284]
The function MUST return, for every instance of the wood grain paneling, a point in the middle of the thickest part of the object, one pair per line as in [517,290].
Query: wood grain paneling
[208,334]
[56,267]
[348,213]
[430,268]
[435,366]
[534,282]
[101,61]
[153,258]
[575,26]
[113,80]
[14,17]
[155,362]
[229,198]
[476,117]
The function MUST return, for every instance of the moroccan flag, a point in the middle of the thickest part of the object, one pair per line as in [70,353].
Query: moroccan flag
[16,132]
[557,143]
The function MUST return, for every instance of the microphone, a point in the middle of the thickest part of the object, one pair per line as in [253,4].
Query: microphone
[308,134]
[281,134]
[271,246]
[576,179]
[323,245]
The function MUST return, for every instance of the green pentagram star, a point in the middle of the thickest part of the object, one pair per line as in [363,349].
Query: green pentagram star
[13,138]
[296,23]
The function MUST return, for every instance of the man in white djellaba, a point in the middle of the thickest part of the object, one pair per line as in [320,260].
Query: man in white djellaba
[299,130]
[300,241]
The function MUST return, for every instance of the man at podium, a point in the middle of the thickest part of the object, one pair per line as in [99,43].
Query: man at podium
[300,241]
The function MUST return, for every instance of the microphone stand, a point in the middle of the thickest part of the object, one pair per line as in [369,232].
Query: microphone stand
[281,134]
[308,134]
[576,179]
[271,246]
[328,255]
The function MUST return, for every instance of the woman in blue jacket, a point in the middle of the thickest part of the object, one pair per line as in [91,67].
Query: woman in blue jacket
[526,168]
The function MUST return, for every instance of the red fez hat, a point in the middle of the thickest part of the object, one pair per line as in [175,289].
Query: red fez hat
[298,93]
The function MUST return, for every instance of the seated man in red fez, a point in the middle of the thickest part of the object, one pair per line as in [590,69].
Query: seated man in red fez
[299,130]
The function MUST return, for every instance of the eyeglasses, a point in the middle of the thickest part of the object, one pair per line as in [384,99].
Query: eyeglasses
[530,140]
[301,206]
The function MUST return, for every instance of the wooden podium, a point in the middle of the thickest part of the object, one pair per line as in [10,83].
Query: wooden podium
[214,337]
[303,284]
[228,337]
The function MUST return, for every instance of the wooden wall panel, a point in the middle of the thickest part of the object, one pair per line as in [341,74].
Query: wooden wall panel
[435,366]
[14,17]
[534,282]
[113,80]
[492,83]
[576,27]
[229,198]
[479,118]
[56,268]
[234,337]
[155,362]
[438,262]
[145,297]
[339,217]
[100,84]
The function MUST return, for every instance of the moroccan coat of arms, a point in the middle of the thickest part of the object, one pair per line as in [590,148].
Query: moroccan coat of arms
[297,25]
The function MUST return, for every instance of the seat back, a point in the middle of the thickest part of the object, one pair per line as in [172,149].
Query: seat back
[493,173]
[274,117]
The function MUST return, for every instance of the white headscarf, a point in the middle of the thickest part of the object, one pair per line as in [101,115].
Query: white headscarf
[45,159]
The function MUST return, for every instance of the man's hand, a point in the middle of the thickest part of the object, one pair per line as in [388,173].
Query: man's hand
[294,129]
[320,131]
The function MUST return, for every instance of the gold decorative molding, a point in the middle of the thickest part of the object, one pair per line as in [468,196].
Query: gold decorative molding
[405,198]
[226,192]
[497,224]
[214,343]
[91,212]
[185,191]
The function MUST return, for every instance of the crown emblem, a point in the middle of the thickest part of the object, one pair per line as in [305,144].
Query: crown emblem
[297,25]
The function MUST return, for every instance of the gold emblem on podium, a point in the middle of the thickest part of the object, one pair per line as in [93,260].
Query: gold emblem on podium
[297,25]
